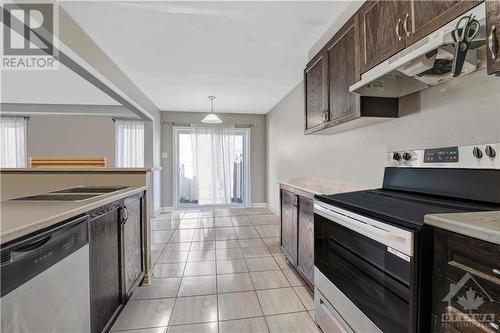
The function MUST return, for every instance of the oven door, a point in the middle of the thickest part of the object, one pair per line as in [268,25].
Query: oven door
[370,262]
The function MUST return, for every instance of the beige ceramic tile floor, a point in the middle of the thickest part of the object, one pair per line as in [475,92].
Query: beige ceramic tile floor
[219,271]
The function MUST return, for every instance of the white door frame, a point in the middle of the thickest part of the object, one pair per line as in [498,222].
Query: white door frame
[246,162]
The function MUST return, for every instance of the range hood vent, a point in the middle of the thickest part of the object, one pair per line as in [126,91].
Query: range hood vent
[426,63]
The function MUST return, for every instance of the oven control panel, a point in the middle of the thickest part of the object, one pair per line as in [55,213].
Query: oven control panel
[485,156]
[441,155]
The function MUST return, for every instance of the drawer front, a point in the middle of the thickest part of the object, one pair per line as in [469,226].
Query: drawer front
[453,309]
[326,317]
[456,255]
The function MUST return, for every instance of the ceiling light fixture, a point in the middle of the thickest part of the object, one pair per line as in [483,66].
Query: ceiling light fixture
[211,118]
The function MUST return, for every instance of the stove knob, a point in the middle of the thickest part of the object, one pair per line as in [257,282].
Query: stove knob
[396,156]
[407,156]
[477,152]
[490,152]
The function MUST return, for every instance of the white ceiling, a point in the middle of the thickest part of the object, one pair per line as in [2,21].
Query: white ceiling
[248,54]
[60,86]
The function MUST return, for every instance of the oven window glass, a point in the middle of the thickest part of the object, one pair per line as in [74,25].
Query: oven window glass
[376,281]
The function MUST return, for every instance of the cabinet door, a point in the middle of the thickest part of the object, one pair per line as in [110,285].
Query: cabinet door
[428,16]
[493,36]
[105,268]
[315,91]
[305,260]
[381,34]
[343,72]
[289,225]
[133,244]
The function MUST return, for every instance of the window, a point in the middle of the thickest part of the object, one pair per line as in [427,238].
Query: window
[13,145]
[129,143]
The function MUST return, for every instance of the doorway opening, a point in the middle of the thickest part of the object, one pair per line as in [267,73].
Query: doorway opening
[211,167]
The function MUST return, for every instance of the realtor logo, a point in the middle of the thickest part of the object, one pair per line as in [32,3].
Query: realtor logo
[465,305]
[28,36]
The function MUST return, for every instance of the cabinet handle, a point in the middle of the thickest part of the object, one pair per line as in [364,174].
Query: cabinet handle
[124,215]
[492,43]
[397,30]
[405,24]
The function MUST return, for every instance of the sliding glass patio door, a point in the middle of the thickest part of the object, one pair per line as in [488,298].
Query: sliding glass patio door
[211,165]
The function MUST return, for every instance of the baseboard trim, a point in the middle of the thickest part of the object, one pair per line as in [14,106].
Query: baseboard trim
[275,211]
[165,210]
[256,205]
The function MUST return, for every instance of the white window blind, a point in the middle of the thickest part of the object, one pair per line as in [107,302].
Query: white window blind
[13,142]
[129,143]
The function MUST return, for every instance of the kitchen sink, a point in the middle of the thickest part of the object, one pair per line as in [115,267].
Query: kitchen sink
[58,197]
[91,189]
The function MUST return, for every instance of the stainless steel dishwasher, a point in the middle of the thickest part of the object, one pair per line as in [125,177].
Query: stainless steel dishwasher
[45,281]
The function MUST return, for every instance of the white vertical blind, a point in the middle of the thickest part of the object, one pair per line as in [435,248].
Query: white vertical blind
[129,143]
[13,142]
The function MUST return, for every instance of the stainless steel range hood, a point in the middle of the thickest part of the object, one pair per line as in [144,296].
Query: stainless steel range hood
[426,63]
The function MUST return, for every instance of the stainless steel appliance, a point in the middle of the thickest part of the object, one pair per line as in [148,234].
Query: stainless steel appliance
[430,61]
[372,252]
[45,280]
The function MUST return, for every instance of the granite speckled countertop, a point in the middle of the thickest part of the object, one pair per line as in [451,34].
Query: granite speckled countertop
[20,218]
[318,186]
[480,225]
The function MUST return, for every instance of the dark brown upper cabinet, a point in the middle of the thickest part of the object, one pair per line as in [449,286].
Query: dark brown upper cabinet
[424,17]
[329,106]
[493,36]
[343,71]
[381,31]
[387,27]
[315,90]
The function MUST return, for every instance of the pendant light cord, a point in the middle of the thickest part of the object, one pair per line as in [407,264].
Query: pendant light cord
[211,103]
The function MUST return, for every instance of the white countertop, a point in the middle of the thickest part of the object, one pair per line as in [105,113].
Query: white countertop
[318,186]
[21,218]
[480,225]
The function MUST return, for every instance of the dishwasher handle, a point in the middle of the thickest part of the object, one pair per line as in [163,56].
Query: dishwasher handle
[25,258]
[33,245]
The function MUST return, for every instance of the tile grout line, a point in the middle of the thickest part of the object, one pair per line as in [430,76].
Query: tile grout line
[197,227]
[256,295]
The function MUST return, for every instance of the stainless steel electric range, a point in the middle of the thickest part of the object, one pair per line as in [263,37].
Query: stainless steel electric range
[373,254]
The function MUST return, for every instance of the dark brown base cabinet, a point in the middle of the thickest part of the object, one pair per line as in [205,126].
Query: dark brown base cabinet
[473,266]
[297,231]
[116,258]
[289,225]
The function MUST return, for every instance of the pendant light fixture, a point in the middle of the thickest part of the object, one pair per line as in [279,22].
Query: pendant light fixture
[211,118]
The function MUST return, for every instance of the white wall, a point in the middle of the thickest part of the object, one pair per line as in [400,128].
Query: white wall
[463,111]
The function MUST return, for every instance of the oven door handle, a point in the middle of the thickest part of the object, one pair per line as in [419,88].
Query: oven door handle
[402,243]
